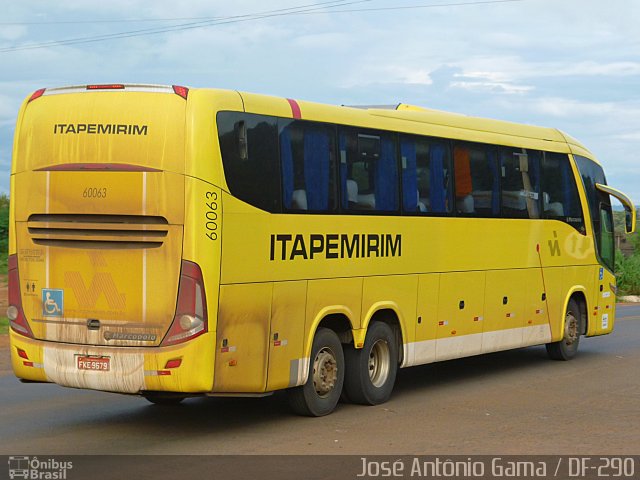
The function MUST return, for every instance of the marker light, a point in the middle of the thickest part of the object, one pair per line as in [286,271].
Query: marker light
[181,91]
[173,363]
[37,94]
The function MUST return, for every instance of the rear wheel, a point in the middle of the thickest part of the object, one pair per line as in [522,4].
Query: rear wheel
[371,370]
[567,348]
[321,393]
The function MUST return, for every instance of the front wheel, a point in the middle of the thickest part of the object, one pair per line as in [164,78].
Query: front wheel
[567,348]
[371,370]
[320,395]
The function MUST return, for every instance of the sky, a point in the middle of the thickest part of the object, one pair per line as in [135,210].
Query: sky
[567,64]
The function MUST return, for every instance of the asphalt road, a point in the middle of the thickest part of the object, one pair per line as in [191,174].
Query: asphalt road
[505,403]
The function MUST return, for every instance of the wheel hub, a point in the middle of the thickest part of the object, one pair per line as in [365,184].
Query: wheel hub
[570,329]
[325,372]
[379,363]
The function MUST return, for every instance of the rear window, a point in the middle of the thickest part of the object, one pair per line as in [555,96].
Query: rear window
[249,148]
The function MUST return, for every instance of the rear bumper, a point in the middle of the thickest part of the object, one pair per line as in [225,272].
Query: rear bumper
[132,370]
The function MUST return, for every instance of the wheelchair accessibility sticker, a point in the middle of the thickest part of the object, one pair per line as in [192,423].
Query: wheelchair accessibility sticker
[52,302]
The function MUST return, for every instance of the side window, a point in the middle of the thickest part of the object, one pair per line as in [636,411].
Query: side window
[477,180]
[426,166]
[520,181]
[368,170]
[249,148]
[560,198]
[307,157]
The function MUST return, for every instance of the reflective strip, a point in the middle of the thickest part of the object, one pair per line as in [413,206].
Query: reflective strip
[33,364]
[298,372]
[419,353]
[293,373]
[156,373]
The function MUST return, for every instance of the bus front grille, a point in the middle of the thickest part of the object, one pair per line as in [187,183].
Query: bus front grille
[98,231]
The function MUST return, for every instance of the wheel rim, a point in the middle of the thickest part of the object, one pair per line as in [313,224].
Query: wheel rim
[379,363]
[325,372]
[570,329]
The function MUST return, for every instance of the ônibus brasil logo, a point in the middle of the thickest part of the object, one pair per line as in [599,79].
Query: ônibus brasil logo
[32,468]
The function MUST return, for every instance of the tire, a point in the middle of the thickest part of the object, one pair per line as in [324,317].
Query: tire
[164,399]
[371,370]
[567,348]
[320,395]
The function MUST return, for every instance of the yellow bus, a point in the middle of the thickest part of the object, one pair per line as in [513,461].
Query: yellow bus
[171,242]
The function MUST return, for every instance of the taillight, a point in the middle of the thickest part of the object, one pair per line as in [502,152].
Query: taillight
[37,94]
[190,320]
[181,91]
[17,320]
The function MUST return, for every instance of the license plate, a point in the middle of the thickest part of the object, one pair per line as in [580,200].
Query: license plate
[100,364]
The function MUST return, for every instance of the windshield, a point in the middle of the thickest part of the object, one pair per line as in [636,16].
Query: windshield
[600,209]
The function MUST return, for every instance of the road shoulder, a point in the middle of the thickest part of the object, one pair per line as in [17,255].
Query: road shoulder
[5,359]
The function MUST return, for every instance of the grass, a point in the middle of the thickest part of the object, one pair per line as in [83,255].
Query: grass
[4,325]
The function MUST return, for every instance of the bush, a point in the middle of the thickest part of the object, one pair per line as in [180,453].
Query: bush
[628,274]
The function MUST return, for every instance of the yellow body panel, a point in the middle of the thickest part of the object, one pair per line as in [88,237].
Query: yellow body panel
[266,105]
[426,326]
[242,341]
[535,311]
[286,339]
[460,315]
[203,211]
[504,306]
[341,296]
[396,293]
[94,282]
[153,136]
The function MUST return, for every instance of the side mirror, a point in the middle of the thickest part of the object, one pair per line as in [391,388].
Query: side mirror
[628,221]
[629,208]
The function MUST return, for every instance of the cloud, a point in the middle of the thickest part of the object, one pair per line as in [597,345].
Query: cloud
[564,107]
[12,32]
[8,106]
[615,69]
[632,137]
[497,87]
[521,61]
[498,81]
[322,40]
[396,75]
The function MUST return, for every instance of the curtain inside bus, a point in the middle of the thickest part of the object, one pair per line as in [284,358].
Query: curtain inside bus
[386,175]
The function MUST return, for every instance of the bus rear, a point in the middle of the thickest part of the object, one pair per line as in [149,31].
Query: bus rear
[103,292]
